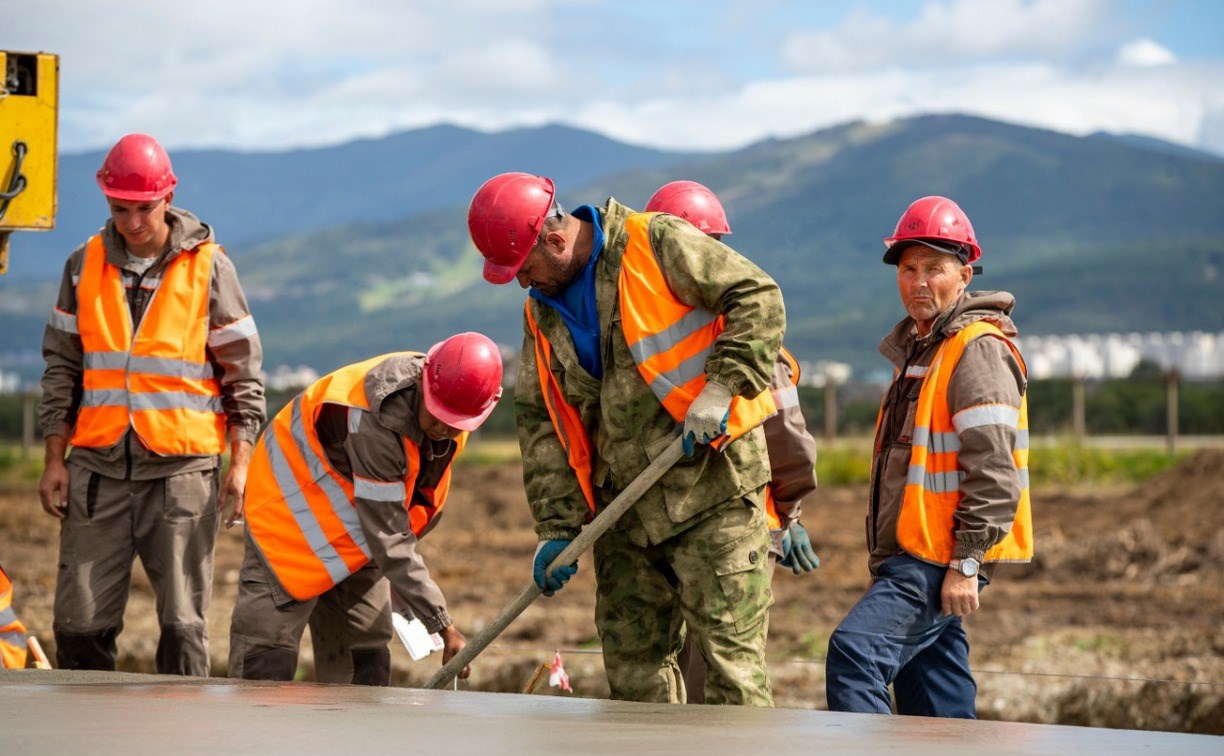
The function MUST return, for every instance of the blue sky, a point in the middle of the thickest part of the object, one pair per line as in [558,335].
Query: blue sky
[710,75]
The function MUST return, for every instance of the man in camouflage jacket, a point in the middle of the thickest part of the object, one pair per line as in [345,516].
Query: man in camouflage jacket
[695,546]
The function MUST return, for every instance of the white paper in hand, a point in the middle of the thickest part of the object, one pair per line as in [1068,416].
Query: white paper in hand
[412,633]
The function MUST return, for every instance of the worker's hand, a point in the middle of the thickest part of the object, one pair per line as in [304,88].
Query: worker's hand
[797,551]
[452,643]
[233,488]
[707,416]
[53,488]
[546,552]
[959,595]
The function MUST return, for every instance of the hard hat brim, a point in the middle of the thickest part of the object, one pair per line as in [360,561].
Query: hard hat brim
[452,418]
[893,255]
[131,195]
[500,274]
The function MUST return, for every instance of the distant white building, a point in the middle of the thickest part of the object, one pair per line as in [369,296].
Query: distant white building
[285,378]
[10,383]
[818,374]
[1192,355]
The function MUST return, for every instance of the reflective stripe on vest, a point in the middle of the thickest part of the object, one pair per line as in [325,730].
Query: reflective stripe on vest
[13,649]
[926,524]
[670,341]
[300,510]
[159,381]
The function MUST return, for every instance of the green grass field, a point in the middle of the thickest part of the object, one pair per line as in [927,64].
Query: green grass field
[845,462]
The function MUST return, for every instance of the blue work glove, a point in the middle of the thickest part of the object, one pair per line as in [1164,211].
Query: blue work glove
[546,552]
[797,551]
[706,419]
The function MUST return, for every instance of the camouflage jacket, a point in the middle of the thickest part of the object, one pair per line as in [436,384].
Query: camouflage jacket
[626,423]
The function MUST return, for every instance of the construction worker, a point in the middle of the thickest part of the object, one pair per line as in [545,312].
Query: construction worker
[949,478]
[792,450]
[344,481]
[638,325]
[152,359]
[14,650]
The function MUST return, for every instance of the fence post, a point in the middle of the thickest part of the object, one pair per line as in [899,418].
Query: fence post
[1171,410]
[27,424]
[1078,425]
[830,409]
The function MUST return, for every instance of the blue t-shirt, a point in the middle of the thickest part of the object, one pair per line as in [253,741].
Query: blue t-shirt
[576,303]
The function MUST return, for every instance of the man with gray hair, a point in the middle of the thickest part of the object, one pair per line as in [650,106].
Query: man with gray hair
[949,478]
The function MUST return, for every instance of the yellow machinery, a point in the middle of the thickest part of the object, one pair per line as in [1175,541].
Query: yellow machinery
[29,102]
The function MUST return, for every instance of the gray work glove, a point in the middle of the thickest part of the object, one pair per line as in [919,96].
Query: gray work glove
[707,416]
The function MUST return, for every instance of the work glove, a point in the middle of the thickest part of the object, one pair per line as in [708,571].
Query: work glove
[797,551]
[707,416]
[546,552]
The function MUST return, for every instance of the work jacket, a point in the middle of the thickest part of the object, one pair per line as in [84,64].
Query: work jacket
[343,476]
[792,450]
[949,471]
[147,368]
[625,421]
[13,648]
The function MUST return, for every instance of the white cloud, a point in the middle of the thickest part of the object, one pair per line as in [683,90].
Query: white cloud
[945,32]
[1142,53]
[1169,102]
[278,74]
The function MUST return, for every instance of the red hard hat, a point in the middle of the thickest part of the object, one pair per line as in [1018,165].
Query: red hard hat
[137,168]
[505,218]
[938,220]
[462,380]
[693,202]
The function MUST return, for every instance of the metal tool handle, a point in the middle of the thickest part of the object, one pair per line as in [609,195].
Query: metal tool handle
[597,527]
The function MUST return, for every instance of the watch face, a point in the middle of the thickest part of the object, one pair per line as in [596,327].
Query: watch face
[969,567]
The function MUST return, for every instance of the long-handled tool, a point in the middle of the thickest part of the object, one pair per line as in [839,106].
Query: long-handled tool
[606,519]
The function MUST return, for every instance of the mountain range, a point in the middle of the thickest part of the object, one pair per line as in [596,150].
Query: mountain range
[349,251]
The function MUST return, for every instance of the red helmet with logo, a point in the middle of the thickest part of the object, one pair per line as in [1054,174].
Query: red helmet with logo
[138,169]
[505,218]
[462,380]
[693,202]
[937,222]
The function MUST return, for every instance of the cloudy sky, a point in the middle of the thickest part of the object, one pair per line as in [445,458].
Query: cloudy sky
[689,74]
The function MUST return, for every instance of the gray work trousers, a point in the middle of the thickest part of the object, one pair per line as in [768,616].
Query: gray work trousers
[171,524]
[267,625]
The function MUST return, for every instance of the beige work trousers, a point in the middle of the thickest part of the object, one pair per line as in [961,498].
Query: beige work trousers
[171,524]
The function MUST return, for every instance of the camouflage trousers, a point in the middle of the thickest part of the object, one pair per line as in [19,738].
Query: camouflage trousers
[712,578]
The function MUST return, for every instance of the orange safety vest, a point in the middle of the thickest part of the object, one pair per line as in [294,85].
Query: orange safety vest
[926,525]
[669,341]
[13,648]
[785,397]
[300,510]
[158,380]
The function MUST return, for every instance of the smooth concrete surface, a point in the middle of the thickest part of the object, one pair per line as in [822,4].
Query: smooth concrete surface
[86,713]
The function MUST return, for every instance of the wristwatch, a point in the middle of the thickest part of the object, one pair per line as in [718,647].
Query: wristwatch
[967,566]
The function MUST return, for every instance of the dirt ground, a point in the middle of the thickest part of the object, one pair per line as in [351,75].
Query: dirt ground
[1119,621]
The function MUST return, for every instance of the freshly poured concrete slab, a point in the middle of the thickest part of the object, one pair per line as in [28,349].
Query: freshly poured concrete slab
[86,713]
